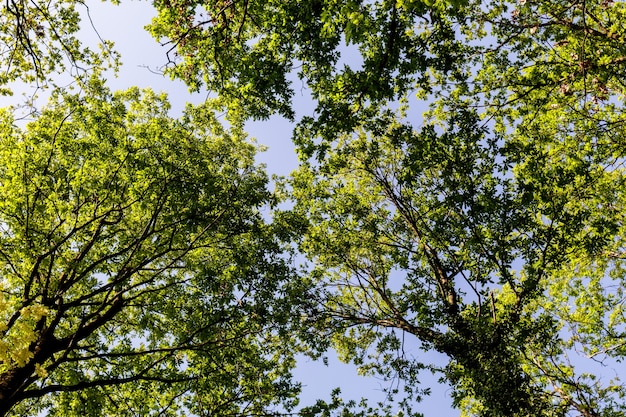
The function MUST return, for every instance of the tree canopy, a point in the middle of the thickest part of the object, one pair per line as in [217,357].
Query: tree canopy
[461,185]
[134,253]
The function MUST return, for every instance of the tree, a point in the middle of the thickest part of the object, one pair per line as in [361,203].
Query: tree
[134,254]
[40,47]
[492,228]
[432,235]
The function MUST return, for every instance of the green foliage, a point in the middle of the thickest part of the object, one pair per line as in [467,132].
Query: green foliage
[490,228]
[38,42]
[133,253]
[246,50]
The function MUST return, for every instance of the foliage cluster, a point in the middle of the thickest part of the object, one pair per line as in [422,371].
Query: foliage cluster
[489,228]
